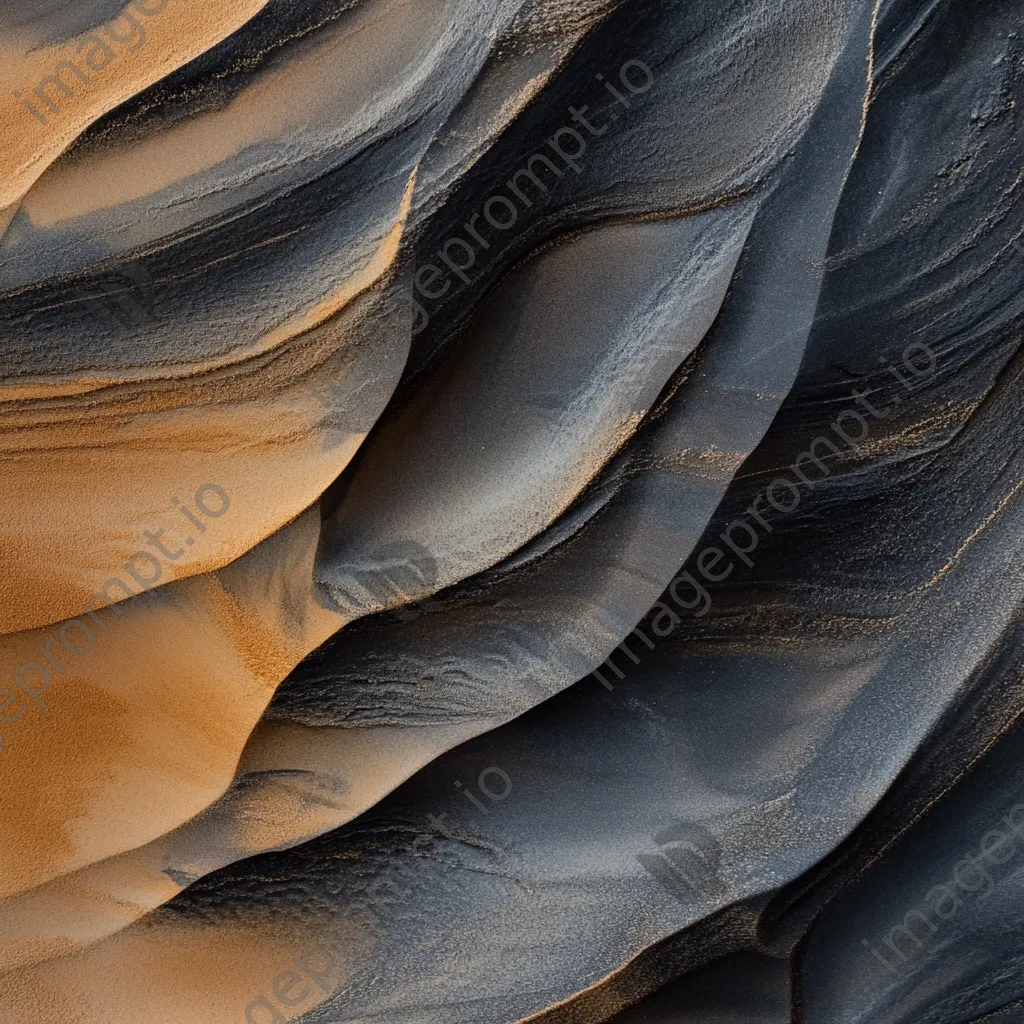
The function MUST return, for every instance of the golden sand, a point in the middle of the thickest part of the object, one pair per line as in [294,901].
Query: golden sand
[185,973]
[87,477]
[174,36]
[349,770]
[156,713]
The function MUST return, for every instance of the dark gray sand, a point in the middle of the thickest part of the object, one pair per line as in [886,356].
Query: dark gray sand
[615,620]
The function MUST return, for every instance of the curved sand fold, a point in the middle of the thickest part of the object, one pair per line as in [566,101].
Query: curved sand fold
[248,437]
[222,366]
[90,76]
[270,806]
[287,622]
[218,165]
[154,711]
[294,783]
[197,781]
[481,884]
[550,707]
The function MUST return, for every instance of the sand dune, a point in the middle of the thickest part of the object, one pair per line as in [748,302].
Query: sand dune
[512,512]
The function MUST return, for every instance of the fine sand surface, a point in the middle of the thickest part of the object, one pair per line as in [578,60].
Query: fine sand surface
[250,423]
[156,712]
[160,35]
[550,403]
[512,512]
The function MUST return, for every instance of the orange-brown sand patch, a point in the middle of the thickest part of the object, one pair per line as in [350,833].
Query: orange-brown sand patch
[87,477]
[144,729]
[173,36]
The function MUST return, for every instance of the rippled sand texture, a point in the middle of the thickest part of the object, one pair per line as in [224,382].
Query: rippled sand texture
[511,512]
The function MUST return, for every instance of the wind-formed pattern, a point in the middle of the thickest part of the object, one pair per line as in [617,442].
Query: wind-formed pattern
[512,511]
